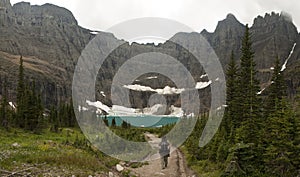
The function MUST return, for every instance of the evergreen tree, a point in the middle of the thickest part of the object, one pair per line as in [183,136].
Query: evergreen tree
[105,121]
[276,91]
[274,95]
[20,96]
[72,116]
[113,122]
[248,132]
[62,114]
[40,115]
[4,111]
[124,124]
[250,103]
[33,112]
[280,141]
[66,115]
[232,111]
[54,120]
[279,129]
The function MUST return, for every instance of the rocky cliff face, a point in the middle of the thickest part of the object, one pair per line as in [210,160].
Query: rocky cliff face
[273,37]
[226,38]
[50,41]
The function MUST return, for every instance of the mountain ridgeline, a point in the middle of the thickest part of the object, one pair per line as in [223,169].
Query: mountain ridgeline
[51,41]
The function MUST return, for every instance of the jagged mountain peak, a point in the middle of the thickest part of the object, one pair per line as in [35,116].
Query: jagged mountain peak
[275,24]
[273,37]
[272,18]
[229,23]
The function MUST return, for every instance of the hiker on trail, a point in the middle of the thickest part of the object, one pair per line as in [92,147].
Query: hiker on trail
[164,152]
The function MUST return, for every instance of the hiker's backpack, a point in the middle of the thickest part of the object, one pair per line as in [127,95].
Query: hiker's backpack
[164,148]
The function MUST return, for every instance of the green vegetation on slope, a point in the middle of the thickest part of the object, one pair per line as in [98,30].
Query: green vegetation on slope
[63,153]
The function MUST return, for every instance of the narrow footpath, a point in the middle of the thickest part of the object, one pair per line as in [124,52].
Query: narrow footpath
[176,168]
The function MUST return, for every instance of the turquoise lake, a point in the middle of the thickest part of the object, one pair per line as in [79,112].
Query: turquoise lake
[144,121]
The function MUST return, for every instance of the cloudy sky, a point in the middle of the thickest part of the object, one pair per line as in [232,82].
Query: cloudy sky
[197,14]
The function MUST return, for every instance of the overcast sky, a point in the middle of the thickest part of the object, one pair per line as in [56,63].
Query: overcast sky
[197,14]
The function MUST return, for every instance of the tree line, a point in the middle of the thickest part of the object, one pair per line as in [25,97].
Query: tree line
[260,131]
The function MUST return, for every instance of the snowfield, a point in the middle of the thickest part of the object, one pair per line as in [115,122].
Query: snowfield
[167,90]
[286,61]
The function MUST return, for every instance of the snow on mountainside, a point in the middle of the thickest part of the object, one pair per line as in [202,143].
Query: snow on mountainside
[167,90]
[286,61]
[117,110]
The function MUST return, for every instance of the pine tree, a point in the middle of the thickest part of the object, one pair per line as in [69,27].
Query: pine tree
[113,122]
[279,134]
[276,91]
[279,140]
[248,132]
[66,115]
[29,104]
[61,114]
[72,116]
[274,95]
[249,87]
[105,121]
[54,119]
[232,111]
[124,124]
[40,115]
[32,113]
[20,96]
[4,112]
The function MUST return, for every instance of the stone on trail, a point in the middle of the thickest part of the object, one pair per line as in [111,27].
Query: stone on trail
[119,168]
[110,174]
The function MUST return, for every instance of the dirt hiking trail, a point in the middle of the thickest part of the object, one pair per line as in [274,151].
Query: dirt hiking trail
[176,167]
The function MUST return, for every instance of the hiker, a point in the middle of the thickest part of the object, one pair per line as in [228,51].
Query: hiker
[164,152]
